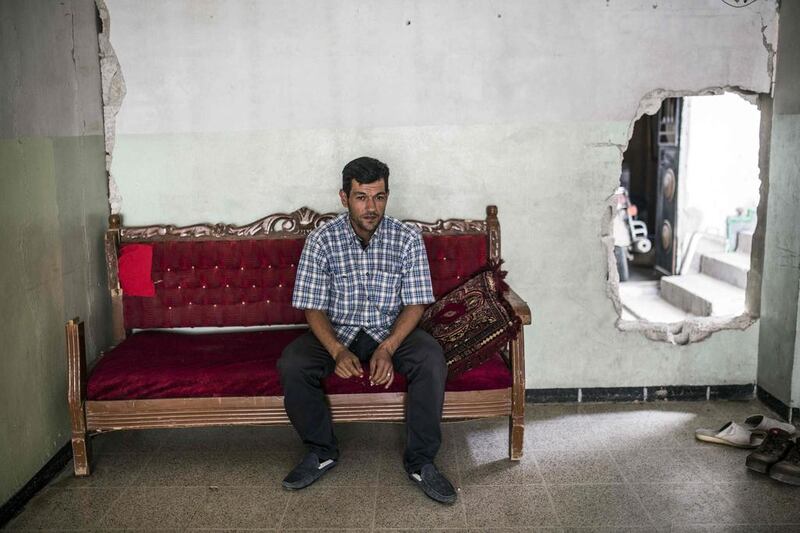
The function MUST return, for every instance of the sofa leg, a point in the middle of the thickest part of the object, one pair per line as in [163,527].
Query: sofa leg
[516,427]
[76,395]
[81,453]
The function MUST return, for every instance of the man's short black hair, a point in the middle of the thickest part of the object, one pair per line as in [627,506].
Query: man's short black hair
[364,170]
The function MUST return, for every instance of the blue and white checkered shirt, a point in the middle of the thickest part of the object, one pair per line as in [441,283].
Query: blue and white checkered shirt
[362,288]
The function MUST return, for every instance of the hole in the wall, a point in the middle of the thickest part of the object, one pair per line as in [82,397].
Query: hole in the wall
[678,230]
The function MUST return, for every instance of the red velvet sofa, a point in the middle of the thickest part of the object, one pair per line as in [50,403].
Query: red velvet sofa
[208,276]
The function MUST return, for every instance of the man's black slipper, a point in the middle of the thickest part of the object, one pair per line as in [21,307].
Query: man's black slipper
[307,472]
[434,484]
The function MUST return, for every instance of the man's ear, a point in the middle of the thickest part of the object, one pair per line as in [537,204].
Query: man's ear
[343,197]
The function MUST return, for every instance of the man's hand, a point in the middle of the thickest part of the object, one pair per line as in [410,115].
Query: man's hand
[381,370]
[347,364]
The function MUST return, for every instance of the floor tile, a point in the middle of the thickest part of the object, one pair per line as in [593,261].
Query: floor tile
[251,469]
[179,469]
[243,507]
[618,529]
[399,506]
[330,507]
[681,419]
[508,506]
[763,503]
[491,466]
[205,468]
[685,503]
[577,466]
[592,505]
[517,530]
[355,467]
[129,441]
[656,466]
[108,470]
[557,427]
[484,433]
[741,528]
[718,464]
[642,428]
[370,436]
[324,530]
[154,507]
[67,508]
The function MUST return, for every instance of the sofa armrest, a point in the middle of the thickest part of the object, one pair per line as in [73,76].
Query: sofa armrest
[519,306]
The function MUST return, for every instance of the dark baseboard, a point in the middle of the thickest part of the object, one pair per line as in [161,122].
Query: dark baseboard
[18,501]
[640,394]
[792,414]
[733,392]
[680,393]
[551,395]
[612,394]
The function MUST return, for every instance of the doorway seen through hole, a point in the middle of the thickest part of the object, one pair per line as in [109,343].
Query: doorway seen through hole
[686,209]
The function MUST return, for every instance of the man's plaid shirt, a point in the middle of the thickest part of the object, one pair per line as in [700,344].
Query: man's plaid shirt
[362,288]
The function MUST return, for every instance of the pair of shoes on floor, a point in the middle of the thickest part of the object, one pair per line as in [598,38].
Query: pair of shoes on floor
[429,479]
[778,456]
[751,434]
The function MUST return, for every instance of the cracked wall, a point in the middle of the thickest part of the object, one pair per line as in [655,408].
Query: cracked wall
[779,344]
[53,201]
[236,110]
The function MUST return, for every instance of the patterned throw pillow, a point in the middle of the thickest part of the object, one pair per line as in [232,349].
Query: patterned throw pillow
[472,322]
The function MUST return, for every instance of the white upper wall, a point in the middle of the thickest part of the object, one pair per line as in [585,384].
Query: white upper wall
[245,65]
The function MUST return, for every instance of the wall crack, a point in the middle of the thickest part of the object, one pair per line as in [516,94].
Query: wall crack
[770,53]
[114,90]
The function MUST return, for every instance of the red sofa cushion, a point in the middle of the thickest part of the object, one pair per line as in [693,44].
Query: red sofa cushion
[249,282]
[159,364]
[135,269]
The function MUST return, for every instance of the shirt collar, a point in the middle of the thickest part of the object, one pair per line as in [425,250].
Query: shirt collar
[376,237]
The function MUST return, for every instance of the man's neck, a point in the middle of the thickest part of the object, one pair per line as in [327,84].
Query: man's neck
[365,236]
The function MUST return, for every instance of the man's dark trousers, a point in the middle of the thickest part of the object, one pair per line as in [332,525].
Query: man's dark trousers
[419,358]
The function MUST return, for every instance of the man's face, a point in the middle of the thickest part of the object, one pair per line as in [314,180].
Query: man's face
[366,205]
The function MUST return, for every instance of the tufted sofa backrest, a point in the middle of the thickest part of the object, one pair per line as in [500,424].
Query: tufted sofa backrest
[244,275]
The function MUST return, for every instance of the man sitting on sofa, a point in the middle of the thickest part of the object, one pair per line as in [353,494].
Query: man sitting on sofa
[363,281]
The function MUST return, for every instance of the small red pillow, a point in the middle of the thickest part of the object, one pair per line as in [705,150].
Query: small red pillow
[472,322]
[135,265]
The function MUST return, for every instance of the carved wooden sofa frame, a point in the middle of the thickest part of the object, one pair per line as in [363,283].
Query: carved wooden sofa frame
[94,417]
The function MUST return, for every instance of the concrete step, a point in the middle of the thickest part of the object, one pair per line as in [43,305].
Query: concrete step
[731,267]
[638,288]
[641,300]
[744,242]
[702,295]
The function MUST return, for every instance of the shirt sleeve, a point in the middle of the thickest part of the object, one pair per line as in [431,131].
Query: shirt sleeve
[312,282]
[416,284]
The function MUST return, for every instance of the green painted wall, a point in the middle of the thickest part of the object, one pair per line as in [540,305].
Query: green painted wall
[53,210]
[779,353]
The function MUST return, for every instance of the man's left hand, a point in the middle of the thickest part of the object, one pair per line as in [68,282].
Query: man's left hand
[381,370]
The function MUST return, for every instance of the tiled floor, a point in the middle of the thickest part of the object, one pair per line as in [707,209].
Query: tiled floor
[591,467]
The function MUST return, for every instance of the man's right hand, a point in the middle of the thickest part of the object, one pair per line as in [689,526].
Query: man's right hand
[347,364]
